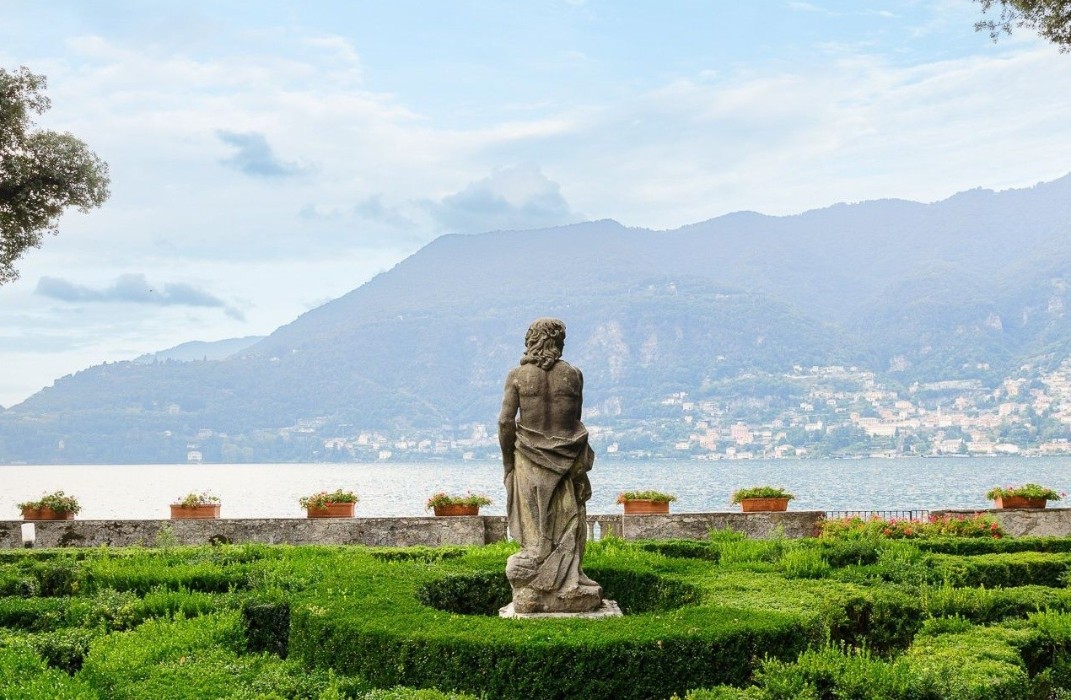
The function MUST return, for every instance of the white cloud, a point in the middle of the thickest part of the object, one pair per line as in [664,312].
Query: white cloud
[517,197]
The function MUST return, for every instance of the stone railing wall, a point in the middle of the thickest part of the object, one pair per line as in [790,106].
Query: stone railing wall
[398,532]
[1020,522]
[394,532]
[433,532]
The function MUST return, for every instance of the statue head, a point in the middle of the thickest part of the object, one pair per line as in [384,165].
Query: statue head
[544,342]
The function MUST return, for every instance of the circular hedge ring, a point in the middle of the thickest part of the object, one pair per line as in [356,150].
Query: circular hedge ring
[379,620]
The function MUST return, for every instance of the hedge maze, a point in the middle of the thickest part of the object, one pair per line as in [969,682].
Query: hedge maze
[726,618]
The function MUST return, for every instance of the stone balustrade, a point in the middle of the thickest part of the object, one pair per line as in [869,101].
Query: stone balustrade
[392,532]
[434,532]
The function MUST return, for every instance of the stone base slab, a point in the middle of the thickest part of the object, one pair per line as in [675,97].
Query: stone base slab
[609,608]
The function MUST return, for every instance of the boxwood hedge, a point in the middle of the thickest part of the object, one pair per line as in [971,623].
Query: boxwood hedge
[723,618]
[383,624]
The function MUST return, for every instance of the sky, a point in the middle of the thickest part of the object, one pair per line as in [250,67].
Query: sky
[269,156]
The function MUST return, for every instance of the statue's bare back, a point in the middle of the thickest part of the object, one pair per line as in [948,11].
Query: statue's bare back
[550,402]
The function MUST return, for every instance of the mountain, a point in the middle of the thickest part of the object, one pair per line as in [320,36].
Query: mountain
[966,287]
[200,350]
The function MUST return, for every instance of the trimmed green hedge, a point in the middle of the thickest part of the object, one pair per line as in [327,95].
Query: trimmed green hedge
[983,663]
[25,676]
[984,605]
[108,609]
[267,624]
[527,658]
[65,648]
[377,628]
[772,619]
[201,658]
[985,545]
[1006,569]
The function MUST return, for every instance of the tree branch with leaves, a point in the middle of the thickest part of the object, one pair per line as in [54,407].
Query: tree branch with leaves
[42,172]
[1050,19]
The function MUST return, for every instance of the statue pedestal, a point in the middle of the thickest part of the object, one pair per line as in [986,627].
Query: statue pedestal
[608,608]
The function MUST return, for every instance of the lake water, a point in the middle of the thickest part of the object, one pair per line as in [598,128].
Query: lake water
[272,490]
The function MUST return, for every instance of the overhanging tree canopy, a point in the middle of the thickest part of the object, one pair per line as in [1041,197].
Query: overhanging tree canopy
[1051,19]
[42,172]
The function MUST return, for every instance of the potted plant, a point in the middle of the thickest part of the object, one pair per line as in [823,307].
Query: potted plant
[645,502]
[52,506]
[330,504]
[1024,496]
[445,504]
[756,499]
[195,506]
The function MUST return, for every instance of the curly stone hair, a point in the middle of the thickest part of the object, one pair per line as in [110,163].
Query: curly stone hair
[543,343]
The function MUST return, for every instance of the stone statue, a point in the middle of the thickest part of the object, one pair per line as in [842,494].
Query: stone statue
[546,457]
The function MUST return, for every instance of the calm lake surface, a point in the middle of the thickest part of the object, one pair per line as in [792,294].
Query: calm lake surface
[272,490]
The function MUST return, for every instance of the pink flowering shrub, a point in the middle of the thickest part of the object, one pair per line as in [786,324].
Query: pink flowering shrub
[856,528]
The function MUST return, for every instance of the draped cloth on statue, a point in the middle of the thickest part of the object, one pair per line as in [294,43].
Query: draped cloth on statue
[546,492]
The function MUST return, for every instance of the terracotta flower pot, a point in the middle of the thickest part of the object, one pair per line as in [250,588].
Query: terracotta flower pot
[46,514]
[760,505]
[332,510]
[456,509]
[645,507]
[202,512]
[1019,502]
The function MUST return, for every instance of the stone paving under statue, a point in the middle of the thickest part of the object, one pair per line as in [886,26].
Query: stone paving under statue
[546,458]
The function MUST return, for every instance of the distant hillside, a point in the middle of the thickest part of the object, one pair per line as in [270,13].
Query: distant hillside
[199,350]
[967,287]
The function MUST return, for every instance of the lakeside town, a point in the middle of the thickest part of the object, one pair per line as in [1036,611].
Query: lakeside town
[816,412]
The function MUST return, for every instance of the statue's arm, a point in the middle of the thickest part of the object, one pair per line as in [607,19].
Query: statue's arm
[507,422]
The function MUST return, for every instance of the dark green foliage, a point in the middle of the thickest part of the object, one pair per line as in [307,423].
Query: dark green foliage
[178,603]
[683,549]
[25,676]
[107,609]
[121,662]
[883,619]
[202,658]
[42,172]
[424,554]
[1002,569]
[472,594]
[65,648]
[18,583]
[1049,18]
[983,663]
[800,562]
[838,672]
[644,592]
[984,605]
[980,664]
[60,577]
[728,692]
[43,614]
[267,624]
[374,632]
[841,553]
[511,661]
[482,593]
[151,572]
[412,694]
[971,546]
